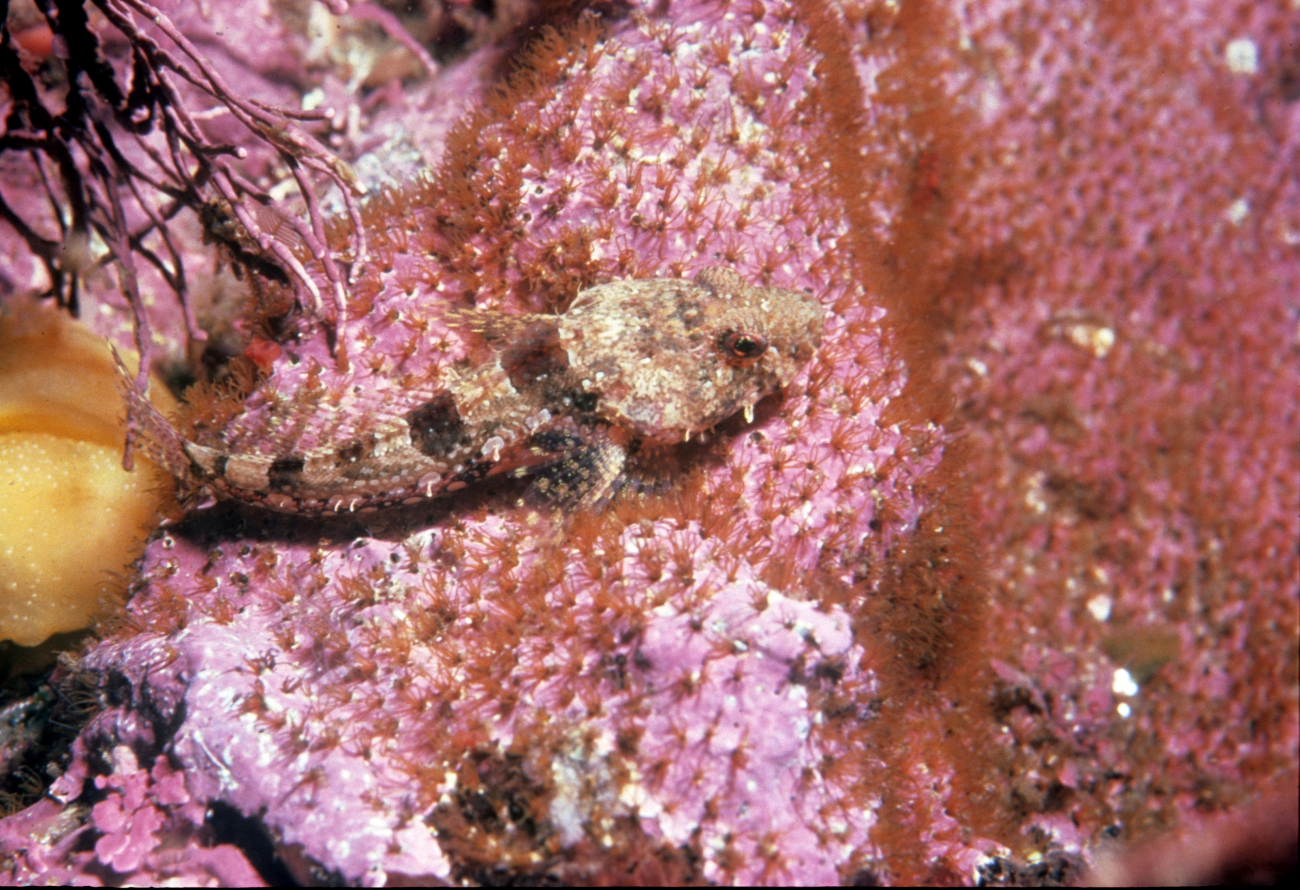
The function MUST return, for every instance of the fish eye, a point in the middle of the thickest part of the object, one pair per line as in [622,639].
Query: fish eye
[740,348]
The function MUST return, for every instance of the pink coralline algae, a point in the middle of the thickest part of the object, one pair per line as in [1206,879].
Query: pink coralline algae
[839,643]
[143,824]
[1125,349]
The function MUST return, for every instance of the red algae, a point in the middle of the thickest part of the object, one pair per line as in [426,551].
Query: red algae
[1123,343]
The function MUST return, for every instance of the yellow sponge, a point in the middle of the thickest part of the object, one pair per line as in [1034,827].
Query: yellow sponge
[71,519]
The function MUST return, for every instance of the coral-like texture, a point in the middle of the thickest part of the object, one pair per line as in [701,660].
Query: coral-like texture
[143,825]
[1127,354]
[839,643]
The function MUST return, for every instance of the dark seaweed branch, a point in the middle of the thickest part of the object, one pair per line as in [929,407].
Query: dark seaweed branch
[94,186]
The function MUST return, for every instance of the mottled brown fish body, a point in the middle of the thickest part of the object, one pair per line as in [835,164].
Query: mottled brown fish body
[566,398]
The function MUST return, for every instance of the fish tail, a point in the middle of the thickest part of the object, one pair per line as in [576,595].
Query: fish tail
[148,429]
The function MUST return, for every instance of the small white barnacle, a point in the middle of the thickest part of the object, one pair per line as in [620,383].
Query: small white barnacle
[493,448]
[534,422]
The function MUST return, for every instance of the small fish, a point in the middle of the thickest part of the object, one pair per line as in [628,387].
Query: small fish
[566,399]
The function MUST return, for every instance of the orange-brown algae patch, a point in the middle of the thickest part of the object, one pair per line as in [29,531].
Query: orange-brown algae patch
[71,519]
